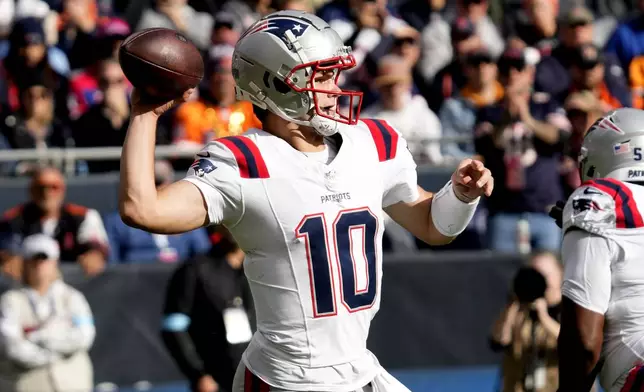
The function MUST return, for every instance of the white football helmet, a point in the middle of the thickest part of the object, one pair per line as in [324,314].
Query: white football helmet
[275,62]
[613,147]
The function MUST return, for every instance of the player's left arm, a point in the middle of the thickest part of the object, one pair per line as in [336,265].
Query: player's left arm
[437,218]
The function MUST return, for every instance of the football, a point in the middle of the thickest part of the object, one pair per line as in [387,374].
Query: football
[161,62]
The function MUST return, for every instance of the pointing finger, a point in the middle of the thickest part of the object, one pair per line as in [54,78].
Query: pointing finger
[477,165]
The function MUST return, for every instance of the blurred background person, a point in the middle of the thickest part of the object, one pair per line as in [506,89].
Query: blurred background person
[458,113]
[29,54]
[527,329]
[208,316]
[451,79]
[476,11]
[216,113]
[105,123]
[46,327]
[226,29]
[78,230]
[363,25]
[77,25]
[131,245]
[178,15]
[248,12]
[406,112]
[536,25]
[588,72]
[436,52]
[583,108]
[521,141]
[293,5]
[84,82]
[627,40]
[34,125]
[552,75]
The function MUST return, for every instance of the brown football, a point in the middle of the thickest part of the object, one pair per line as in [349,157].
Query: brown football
[161,62]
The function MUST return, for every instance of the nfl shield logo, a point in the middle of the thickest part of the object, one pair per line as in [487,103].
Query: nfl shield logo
[202,167]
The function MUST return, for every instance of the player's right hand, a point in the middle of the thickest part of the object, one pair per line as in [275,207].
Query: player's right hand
[143,103]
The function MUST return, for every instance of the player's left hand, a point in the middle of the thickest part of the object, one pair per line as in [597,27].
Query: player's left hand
[471,180]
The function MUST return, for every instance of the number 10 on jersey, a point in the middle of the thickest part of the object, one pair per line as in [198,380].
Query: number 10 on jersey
[313,229]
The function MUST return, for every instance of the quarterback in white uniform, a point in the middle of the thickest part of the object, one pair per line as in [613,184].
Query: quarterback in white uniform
[305,198]
[602,326]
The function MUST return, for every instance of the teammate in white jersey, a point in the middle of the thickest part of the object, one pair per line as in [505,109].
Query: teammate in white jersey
[305,199]
[603,254]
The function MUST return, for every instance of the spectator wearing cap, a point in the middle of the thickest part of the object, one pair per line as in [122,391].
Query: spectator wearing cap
[178,15]
[28,54]
[583,108]
[588,72]
[536,24]
[34,125]
[129,245]
[46,327]
[576,30]
[105,123]
[408,113]
[435,41]
[458,113]
[84,83]
[477,12]
[451,79]
[216,113]
[521,141]
[78,230]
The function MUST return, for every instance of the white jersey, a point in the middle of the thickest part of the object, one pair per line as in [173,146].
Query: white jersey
[604,268]
[312,233]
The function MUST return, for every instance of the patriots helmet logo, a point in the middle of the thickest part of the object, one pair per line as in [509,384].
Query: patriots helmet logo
[202,167]
[278,26]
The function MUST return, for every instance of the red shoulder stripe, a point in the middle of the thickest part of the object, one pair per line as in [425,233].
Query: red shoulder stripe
[627,214]
[385,137]
[249,159]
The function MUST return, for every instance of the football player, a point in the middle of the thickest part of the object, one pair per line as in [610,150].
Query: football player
[602,317]
[305,199]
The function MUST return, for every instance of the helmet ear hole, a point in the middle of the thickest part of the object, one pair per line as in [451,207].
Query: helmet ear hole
[591,172]
[280,86]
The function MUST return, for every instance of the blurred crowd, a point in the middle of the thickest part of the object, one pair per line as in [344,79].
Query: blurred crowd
[515,84]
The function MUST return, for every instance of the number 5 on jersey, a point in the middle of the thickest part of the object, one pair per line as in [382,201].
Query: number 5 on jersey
[313,228]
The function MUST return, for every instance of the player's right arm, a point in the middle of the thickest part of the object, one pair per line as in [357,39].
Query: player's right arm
[587,255]
[180,207]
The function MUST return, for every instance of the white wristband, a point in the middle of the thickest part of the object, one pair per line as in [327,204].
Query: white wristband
[449,214]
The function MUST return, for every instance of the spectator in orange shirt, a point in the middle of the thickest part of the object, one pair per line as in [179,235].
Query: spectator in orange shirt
[216,113]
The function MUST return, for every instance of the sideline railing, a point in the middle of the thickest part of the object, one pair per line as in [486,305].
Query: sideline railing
[65,158]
